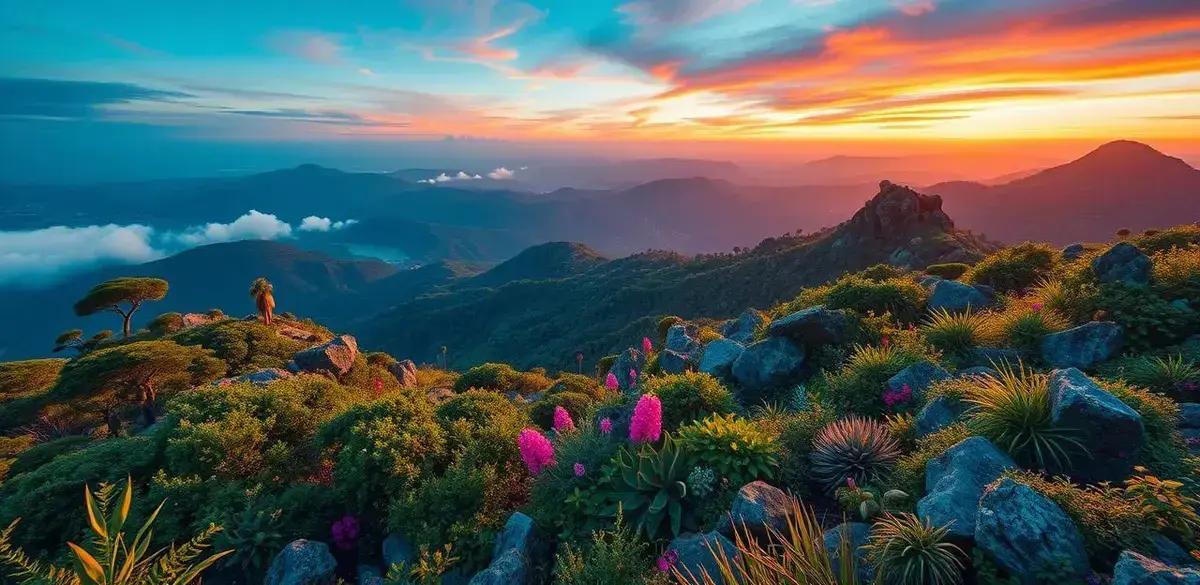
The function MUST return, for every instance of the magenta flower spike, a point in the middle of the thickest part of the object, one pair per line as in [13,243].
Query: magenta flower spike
[647,346]
[610,381]
[562,420]
[646,424]
[536,451]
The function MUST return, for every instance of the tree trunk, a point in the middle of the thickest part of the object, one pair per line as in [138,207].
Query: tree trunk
[127,318]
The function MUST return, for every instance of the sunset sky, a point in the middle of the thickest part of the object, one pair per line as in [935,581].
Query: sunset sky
[746,75]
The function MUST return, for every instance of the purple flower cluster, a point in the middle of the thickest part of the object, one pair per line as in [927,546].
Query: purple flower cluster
[666,561]
[345,532]
[606,425]
[892,398]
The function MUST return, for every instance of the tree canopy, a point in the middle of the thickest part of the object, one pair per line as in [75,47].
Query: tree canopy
[108,296]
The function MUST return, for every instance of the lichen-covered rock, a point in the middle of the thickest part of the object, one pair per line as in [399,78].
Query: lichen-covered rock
[335,356]
[955,480]
[695,553]
[681,352]
[955,296]
[1026,534]
[918,377]
[938,414]
[405,372]
[813,326]
[742,329]
[718,357]
[1083,346]
[369,575]
[1135,569]
[627,361]
[1123,263]
[772,362]
[302,562]
[855,536]
[758,507]
[511,553]
[1112,431]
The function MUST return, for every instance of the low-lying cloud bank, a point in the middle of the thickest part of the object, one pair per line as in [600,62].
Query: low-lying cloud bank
[496,174]
[39,257]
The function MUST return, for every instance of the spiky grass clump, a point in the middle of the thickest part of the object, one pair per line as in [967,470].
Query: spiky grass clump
[908,551]
[1173,376]
[1013,411]
[1177,273]
[853,448]
[857,387]
[1023,324]
[956,333]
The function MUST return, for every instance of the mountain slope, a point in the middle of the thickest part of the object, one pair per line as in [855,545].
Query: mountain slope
[1121,184]
[614,303]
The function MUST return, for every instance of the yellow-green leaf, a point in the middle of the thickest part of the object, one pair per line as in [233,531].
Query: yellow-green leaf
[93,513]
[92,571]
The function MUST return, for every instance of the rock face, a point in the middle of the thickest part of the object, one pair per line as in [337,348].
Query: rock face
[511,554]
[742,329]
[918,377]
[758,506]
[405,372]
[855,535]
[1123,263]
[1072,252]
[1112,431]
[1135,569]
[1083,346]
[718,357]
[772,362]
[682,351]
[334,357]
[397,549]
[955,480]
[1026,533]
[696,553]
[954,296]
[302,562]
[938,414]
[630,359]
[813,326]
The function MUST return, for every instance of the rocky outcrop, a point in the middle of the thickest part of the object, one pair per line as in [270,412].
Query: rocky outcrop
[511,554]
[742,329]
[1135,569]
[918,377]
[259,377]
[695,553]
[938,414]
[1025,534]
[813,326]
[1083,346]
[718,357]
[396,549]
[954,296]
[627,361]
[1123,263]
[681,352]
[302,562]
[1072,252]
[405,372]
[334,357]
[854,535]
[956,479]
[1111,431]
[758,508]
[770,363]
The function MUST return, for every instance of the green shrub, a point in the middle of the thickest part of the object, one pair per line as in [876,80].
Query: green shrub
[1177,274]
[901,297]
[165,323]
[881,272]
[858,387]
[482,426]
[796,441]
[736,448]
[43,453]
[1147,319]
[245,346]
[542,412]
[575,506]
[28,378]
[616,555]
[957,333]
[579,384]
[689,396]
[1022,325]
[949,270]
[502,378]
[1013,411]
[1167,507]
[908,551]
[852,448]
[1013,269]
[909,473]
[1181,236]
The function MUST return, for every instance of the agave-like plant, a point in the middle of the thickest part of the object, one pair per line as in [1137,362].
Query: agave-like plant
[114,558]
[855,448]
[908,551]
[652,489]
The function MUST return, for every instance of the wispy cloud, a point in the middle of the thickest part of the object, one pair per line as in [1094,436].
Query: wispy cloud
[653,13]
[311,46]
[64,99]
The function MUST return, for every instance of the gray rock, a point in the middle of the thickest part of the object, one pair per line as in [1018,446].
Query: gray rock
[1135,569]
[1123,263]
[955,297]
[918,377]
[758,507]
[1072,252]
[259,377]
[1026,533]
[511,553]
[976,371]
[938,414]
[718,357]
[630,359]
[742,329]
[696,553]
[772,362]
[369,575]
[1083,346]
[1189,415]
[302,562]
[1112,431]
[405,372]
[396,549]
[681,352]
[929,280]
[439,395]
[673,362]
[1167,551]
[813,326]
[335,356]
[955,480]
[855,534]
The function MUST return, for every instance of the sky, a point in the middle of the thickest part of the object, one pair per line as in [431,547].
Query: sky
[105,90]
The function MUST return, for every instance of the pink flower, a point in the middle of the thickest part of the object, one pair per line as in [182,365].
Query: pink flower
[850,483]
[606,425]
[536,450]
[647,347]
[345,532]
[378,386]
[610,381]
[580,469]
[632,376]
[1036,307]
[562,420]
[885,341]
[646,424]
[666,561]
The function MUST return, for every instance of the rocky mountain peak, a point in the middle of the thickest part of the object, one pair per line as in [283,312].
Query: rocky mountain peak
[899,212]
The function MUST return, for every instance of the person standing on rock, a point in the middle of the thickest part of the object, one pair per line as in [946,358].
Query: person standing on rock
[261,289]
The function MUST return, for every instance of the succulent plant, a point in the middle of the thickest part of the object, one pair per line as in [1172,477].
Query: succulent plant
[852,448]
[652,489]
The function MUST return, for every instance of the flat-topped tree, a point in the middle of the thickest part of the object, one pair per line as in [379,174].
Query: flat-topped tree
[130,291]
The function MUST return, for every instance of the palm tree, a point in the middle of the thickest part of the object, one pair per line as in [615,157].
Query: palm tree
[261,289]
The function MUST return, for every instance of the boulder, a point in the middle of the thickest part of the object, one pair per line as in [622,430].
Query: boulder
[695,553]
[1112,431]
[718,357]
[1072,252]
[1165,550]
[259,377]
[758,507]
[369,575]
[397,549]
[302,562]
[511,553]
[405,372]
[439,395]
[335,356]
[1135,569]
[1026,534]
[742,329]
[1083,346]
[674,362]
[929,280]
[1189,415]
[956,479]
[918,377]
[630,359]
[955,296]
[772,362]
[1123,263]
[855,534]
[938,414]
[681,352]
[813,326]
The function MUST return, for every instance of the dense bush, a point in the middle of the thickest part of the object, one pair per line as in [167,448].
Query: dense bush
[482,426]
[24,390]
[689,396]
[1147,319]
[1013,269]
[1022,325]
[165,323]
[1177,274]
[1181,236]
[244,346]
[949,270]
[859,386]
[575,505]
[502,378]
[38,455]
[613,556]
[580,384]
[577,404]
[902,297]
[736,448]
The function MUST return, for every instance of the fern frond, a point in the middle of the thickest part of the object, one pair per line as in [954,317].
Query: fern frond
[174,566]
[22,569]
